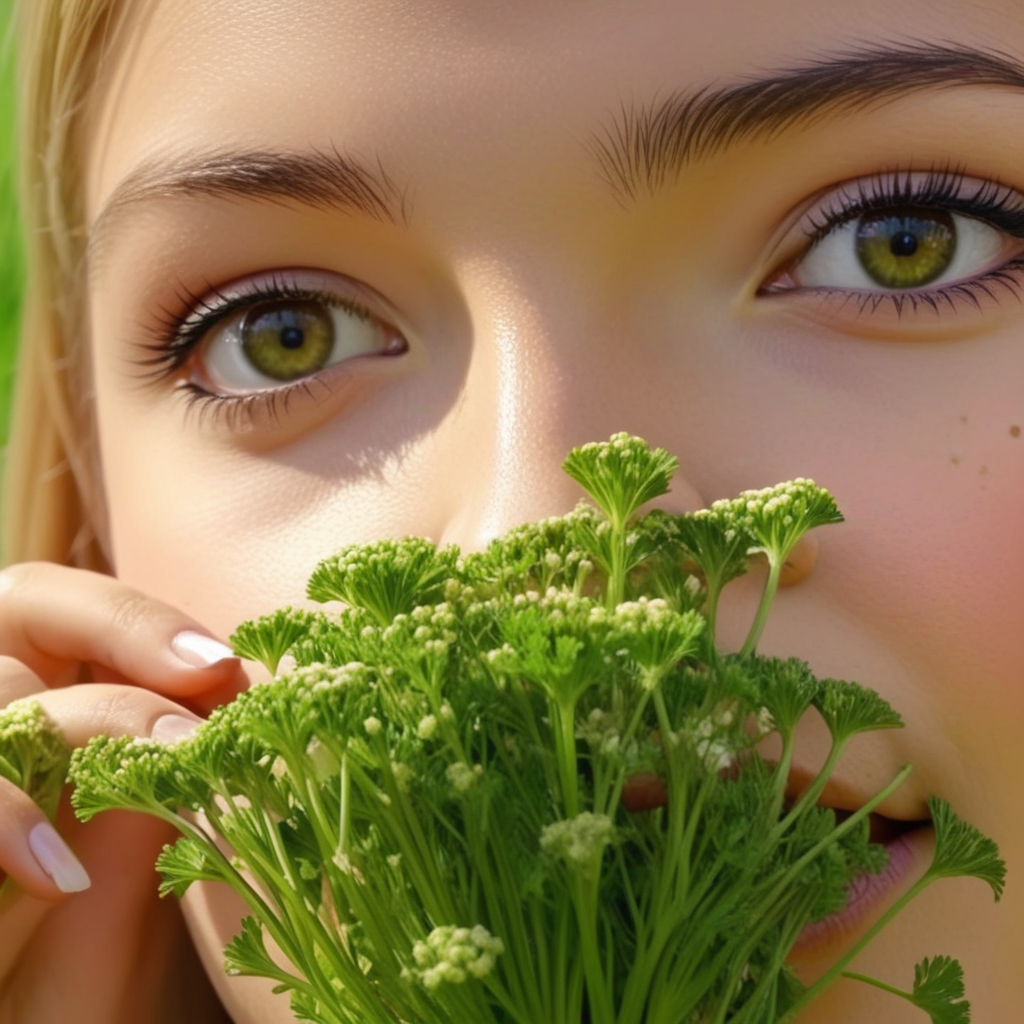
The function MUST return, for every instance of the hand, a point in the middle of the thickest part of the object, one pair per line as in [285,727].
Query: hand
[87,939]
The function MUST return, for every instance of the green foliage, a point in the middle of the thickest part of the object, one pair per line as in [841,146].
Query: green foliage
[621,474]
[939,990]
[961,850]
[849,708]
[386,578]
[788,689]
[11,260]
[523,785]
[33,755]
[777,517]
[268,639]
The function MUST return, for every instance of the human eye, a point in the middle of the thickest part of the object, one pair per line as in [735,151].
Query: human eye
[250,349]
[917,242]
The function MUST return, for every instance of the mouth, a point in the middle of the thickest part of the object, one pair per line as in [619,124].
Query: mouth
[884,830]
[907,839]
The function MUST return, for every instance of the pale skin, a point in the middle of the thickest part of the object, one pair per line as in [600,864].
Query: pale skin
[537,309]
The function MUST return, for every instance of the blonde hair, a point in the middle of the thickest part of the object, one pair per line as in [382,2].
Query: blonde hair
[51,498]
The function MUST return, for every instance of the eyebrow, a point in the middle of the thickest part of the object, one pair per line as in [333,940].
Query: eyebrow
[641,150]
[321,179]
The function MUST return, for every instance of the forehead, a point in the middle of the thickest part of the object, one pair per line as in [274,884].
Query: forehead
[416,79]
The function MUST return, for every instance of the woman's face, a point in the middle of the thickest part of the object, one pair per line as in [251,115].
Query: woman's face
[557,221]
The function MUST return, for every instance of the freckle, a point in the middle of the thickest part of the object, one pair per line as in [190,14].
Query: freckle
[983,470]
[1015,431]
[963,419]
[955,459]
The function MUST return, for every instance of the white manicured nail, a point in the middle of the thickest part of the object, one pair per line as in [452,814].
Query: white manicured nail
[56,859]
[200,651]
[171,728]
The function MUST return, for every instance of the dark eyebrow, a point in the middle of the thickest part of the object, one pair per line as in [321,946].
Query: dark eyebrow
[317,178]
[641,150]
[644,149]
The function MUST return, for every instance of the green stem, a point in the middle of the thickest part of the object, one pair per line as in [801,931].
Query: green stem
[810,795]
[837,833]
[617,574]
[837,968]
[566,738]
[714,591]
[585,891]
[768,595]
[878,984]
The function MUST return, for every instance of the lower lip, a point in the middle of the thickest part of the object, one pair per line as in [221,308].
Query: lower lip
[867,892]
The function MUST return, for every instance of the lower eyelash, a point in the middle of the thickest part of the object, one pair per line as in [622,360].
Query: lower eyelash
[176,338]
[236,411]
[1009,276]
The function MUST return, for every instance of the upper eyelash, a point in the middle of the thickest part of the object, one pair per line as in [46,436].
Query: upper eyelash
[176,335]
[992,202]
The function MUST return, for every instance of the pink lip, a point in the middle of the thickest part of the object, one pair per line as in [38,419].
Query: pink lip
[867,892]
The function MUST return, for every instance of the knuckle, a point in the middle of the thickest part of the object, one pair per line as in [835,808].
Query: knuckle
[129,610]
[13,578]
[16,679]
[117,709]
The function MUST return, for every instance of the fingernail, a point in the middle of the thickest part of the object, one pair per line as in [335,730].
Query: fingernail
[171,728]
[56,859]
[200,651]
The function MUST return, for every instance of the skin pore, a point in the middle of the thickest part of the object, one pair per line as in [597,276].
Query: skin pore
[538,305]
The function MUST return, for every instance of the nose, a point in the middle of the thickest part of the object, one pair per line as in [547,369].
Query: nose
[535,388]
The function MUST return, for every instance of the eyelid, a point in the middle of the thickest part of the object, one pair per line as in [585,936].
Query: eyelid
[984,200]
[948,188]
[182,332]
[292,282]
[177,332]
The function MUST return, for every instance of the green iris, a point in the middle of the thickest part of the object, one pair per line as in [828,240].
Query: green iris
[907,249]
[288,339]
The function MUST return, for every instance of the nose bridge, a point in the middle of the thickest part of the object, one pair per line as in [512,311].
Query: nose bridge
[546,375]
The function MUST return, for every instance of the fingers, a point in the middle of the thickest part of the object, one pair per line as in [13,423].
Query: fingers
[31,850]
[17,680]
[56,623]
[54,618]
[105,709]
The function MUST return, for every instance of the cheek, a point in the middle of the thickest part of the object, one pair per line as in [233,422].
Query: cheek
[935,552]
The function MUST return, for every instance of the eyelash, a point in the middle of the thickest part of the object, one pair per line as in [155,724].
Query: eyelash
[177,336]
[991,203]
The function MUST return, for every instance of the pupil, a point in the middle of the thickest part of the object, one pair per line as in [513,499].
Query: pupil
[293,337]
[903,244]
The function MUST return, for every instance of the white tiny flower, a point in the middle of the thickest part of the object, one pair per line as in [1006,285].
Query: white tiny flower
[461,776]
[372,725]
[402,774]
[578,840]
[427,727]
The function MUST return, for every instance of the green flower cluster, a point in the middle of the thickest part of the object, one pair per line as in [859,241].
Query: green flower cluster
[434,815]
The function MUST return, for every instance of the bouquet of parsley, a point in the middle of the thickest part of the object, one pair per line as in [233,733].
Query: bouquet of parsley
[521,786]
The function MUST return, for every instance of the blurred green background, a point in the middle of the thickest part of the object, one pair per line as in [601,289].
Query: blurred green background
[10,250]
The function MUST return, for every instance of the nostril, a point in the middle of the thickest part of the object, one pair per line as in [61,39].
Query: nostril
[800,562]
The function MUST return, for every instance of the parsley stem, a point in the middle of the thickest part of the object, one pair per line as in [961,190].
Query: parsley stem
[837,968]
[789,877]
[767,596]
[878,984]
